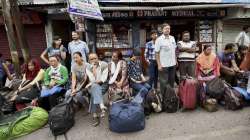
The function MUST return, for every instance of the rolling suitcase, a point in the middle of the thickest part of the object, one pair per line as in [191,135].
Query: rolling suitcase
[187,93]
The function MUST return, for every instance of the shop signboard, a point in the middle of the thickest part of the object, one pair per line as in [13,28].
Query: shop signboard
[166,1]
[213,13]
[85,8]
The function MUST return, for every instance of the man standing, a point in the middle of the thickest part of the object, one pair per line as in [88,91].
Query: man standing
[165,47]
[243,40]
[77,45]
[186,56]
[149,55]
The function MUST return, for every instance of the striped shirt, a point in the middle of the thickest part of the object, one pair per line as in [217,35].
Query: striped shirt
[186,56]
[149,53]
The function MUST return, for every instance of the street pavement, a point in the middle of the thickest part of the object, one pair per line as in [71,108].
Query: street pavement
[190,125]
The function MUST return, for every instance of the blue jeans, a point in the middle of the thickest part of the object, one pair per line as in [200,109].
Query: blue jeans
[50,91]
[142,89]
[96,91]
[153,73]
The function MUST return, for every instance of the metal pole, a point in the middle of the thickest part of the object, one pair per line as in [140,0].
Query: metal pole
[22,41]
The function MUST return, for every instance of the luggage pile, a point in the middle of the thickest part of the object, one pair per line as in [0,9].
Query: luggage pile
[125,115]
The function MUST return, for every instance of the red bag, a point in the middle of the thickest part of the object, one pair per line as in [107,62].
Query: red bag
[187,93]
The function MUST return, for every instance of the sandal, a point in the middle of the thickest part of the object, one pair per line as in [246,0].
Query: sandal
[96,121]
[102,115]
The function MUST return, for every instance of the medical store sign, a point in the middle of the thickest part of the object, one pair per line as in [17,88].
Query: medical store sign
[159,14]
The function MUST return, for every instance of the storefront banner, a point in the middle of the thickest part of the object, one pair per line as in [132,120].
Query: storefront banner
[166,1]
[211,13]
[85,8]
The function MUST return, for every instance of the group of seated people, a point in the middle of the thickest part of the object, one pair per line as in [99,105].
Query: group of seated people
[90,81]
[226,65]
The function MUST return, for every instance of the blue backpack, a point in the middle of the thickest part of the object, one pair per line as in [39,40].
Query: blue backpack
[126,117]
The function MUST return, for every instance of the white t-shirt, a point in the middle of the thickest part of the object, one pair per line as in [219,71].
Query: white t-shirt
[243,39]
[166,46]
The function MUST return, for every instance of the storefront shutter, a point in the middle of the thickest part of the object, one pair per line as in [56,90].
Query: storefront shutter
[231,28]
[35,35]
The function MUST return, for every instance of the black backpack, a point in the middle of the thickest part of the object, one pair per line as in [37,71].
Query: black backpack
[215,88]
[170,101]
[61,117]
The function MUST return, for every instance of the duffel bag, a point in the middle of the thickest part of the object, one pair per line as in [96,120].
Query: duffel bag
[126,116]
[233,99]
[215,88]
[243,92]
[22,123]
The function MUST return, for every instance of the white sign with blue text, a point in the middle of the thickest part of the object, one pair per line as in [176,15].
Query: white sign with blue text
[85,8]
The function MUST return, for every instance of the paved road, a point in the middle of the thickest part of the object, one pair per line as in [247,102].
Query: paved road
[193,125]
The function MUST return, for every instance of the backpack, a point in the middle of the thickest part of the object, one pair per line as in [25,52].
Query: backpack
[215,88]
[233,99]
[152,98]
[61,117]
[170,101]
[126,116]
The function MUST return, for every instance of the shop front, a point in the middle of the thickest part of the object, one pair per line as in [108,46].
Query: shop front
[125,30]
[233,24]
